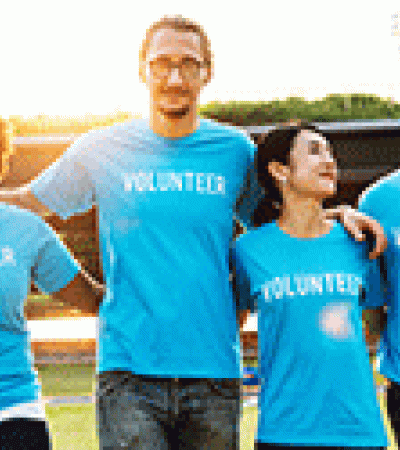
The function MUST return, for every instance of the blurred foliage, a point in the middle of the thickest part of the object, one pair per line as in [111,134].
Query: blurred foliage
[333,107]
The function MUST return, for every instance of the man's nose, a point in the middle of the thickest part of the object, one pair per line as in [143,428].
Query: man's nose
[175,76]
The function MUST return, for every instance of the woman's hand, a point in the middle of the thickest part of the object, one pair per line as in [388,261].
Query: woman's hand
[359,225]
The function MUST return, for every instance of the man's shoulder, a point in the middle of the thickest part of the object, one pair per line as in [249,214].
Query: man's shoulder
[383,192]
[117,132]
[218,130]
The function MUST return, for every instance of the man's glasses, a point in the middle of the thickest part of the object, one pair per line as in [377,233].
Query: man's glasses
[189,68]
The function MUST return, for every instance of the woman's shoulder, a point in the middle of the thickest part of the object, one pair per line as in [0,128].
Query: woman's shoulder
[255,235]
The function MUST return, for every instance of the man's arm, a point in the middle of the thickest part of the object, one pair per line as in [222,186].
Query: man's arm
[83,292]
[243,316]
[359,226]
[24,198]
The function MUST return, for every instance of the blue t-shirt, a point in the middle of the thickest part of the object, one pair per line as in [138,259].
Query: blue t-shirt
[316,381]
[382,202]
[28,249]
[165,221]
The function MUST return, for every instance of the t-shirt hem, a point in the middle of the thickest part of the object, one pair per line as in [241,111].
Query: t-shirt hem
[62,283]
[20,401]
[169,374]
[387,373]
[321,441]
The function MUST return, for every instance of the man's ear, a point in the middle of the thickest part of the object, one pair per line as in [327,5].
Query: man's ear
[143,69]
[206,74]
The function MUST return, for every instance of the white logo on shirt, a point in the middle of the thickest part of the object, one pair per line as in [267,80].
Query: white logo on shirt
[334,320]
[311,284]
[203,183]
[396,234]
[7,257]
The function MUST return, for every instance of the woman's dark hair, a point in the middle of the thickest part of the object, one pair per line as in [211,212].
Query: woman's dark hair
[274,146]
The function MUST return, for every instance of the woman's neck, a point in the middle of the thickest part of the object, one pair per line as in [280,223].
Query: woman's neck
[303,217]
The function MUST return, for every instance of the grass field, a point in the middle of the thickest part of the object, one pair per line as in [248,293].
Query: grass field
[66,380]
[74,426]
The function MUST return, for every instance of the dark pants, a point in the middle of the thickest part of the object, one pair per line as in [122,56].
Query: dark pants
[262,446]
[144,413]
[393,407]
[24,434]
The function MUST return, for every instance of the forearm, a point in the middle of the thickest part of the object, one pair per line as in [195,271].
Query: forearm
[83,293]
[24,198]
[360,226]
[242,316]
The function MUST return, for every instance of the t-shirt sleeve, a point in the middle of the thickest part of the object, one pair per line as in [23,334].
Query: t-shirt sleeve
[375,292]
[66,187]
[377,287]
[245,300]
[251,192]
[369,201]
[53,265]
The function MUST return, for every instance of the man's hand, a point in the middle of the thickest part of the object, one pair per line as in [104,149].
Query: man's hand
[82,292]
[243,316]
[359,225]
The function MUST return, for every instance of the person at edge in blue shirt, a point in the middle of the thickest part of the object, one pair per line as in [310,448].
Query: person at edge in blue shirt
[29,248]
[165,190]
[382,201]
[303,274]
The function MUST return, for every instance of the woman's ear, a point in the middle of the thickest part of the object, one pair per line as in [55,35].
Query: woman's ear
[279,171]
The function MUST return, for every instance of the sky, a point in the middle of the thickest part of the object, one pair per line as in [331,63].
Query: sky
[81,56]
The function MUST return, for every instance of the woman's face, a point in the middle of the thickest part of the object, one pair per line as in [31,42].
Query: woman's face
[313,169]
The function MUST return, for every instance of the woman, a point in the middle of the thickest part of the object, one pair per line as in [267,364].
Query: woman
[304,274]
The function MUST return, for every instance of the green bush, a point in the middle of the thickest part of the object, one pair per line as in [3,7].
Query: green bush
[333,107]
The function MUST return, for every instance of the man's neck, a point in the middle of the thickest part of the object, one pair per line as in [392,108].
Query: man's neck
[171,127]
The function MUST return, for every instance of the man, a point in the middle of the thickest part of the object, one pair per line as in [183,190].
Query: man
[165,191]
[375,201]
[29,247]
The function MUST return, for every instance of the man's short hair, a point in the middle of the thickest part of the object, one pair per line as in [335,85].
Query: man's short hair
[177,23]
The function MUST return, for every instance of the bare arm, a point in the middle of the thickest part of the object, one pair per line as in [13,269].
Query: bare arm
[24,198]
[243,316]
[359,225]
[83,292]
